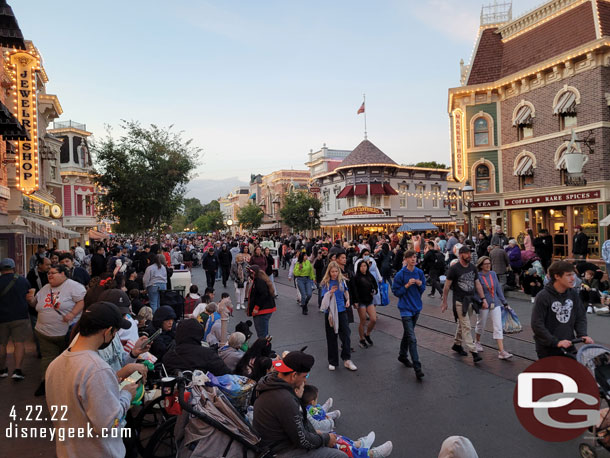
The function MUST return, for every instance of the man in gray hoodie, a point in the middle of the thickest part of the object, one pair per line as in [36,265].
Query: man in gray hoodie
[559,316]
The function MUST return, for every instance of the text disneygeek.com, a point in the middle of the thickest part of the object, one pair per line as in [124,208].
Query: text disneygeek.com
[15,431]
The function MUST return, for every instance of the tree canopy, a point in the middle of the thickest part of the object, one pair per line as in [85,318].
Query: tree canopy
[250,216]
[143,175]
[430,165]
[295,212]
[192,209]
[210,221]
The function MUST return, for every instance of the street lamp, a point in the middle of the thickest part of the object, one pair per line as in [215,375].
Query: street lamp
[311,212]
[467,198]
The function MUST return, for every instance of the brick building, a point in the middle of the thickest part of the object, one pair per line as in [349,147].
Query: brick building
[534,84]
[270,198]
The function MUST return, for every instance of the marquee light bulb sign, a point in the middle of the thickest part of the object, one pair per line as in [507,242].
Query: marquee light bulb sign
[24,66]
[459,154]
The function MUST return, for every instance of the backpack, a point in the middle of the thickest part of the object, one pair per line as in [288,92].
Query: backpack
[439,262]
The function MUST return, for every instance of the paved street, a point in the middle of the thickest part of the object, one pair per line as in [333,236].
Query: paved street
[455,398]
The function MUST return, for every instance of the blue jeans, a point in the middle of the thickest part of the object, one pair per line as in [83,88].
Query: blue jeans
[154,296]
[408,344]
[305,288]
[261,324]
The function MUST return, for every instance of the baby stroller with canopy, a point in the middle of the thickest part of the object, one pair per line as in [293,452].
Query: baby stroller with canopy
[210,427]
[596,358]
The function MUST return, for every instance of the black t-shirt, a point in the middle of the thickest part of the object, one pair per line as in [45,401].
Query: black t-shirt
[13,305]
[462,281]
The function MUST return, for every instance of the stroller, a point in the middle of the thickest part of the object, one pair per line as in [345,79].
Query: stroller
[210,427]
[596,358]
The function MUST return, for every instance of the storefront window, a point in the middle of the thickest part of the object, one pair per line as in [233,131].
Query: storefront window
[587,217]
[350,202]
[526,181]
[481,132]
[436,195]
[419,189]
[402,193]
[376,201]
[483,179]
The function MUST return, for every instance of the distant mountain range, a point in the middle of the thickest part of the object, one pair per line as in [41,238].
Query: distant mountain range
[207,190]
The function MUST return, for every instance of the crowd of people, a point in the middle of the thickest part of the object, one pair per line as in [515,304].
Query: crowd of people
[98,314]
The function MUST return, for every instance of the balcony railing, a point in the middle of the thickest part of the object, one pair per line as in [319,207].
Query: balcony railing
[68,124]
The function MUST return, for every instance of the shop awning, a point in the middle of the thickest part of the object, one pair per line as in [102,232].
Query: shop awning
[268,227]
[566,103]
[377,189]
[411,227]
[389,190]
[523,116]
[525,167]
[10,127]
[348,191]
[605,221]
[97,235]
[360,190]
[48,229]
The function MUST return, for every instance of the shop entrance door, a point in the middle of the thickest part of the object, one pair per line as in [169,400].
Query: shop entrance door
[558,229]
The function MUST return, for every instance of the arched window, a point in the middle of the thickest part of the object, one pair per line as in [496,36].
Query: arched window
[481,132]
[523,115]
[483,178]
[564,106]
[523,167]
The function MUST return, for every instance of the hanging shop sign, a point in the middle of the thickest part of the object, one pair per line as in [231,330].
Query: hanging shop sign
[314,189]
[572,196]
[24,67]
[356,211]
[485,204]
[459,154]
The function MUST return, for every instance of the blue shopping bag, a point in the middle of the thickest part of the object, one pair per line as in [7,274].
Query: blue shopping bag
[384,291]
[510,321]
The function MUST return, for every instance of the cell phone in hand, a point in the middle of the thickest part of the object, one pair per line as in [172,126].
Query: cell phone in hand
[133,378]
[153,337]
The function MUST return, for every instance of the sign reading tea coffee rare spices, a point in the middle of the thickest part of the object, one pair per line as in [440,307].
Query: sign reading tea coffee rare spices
[356,211]
[24,66]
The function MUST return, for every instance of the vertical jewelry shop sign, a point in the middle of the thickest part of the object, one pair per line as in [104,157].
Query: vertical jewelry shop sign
[459,154]
[24,66]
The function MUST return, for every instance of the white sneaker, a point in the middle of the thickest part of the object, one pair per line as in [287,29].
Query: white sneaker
[334,414]
[478,347]
[331,367]
[533,300]
[382,451]
[602,310]
[328,404]
[504,355]
[367,441]
[350,365]
[589,309]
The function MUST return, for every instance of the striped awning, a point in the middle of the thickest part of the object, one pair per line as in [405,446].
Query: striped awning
[523,116]
[377,189]
[348,191]
[566,103]
[361,190]
[389,190]
[411,227]
[525,167]
[49,230]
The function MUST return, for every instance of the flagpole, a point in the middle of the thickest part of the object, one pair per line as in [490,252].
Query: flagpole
[364,103]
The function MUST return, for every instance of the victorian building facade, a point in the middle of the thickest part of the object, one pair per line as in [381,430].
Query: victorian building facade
[531,122]
[271,193]
[369,192]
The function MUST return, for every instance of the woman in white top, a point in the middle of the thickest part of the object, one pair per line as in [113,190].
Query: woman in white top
[155,280]
[59,304]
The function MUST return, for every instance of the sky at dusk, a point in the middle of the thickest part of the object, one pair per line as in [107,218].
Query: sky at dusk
[257,84]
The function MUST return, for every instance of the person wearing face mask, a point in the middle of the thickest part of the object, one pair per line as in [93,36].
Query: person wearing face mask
[80,380]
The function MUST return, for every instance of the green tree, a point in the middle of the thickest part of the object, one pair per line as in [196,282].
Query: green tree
[192,209]
[210,221]
[295,212]
[214,205]
[143,175]
[430,165]
[178,223]
[250,216]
